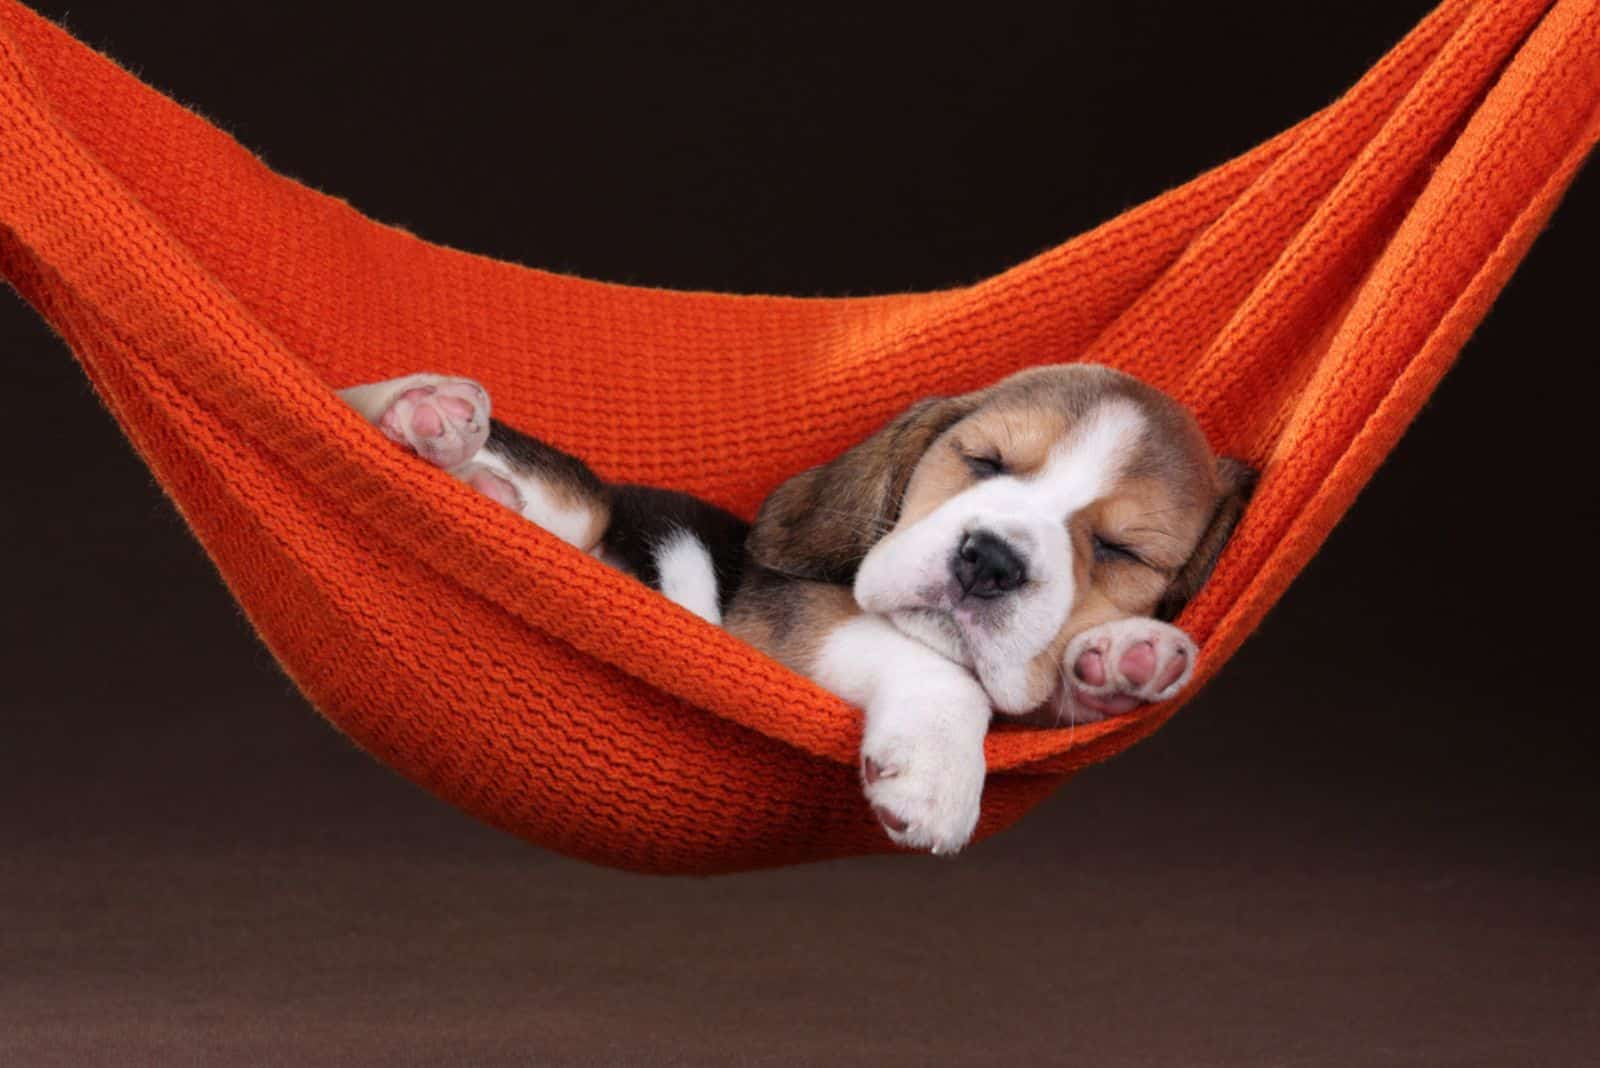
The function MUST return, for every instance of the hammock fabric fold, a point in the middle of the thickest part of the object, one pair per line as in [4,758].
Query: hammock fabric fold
[1304,299]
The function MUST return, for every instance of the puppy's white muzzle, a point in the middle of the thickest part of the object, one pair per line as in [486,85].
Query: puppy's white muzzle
[1003,575]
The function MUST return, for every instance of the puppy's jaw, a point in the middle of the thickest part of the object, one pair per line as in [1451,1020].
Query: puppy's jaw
[935,629]
[908,575]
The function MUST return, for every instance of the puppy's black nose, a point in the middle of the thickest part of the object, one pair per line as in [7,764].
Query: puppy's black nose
[986,566]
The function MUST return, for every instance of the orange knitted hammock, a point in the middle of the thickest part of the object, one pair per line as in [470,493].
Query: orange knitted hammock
[1303,299]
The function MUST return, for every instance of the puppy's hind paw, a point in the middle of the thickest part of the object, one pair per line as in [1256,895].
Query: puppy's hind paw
[443,420]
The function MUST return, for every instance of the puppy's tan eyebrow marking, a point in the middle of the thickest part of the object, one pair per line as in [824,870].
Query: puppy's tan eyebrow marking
[1011,434]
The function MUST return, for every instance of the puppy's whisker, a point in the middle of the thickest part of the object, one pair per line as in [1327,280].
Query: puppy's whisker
[1063,702]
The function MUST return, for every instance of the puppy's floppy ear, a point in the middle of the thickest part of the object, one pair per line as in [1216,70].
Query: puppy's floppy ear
[1237,481]
[819,524]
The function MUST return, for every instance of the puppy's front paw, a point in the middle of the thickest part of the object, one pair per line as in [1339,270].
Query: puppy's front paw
[924,784]
[1114,668]
[443,420]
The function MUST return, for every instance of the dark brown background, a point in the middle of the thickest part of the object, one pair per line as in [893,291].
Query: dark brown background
[1369,842]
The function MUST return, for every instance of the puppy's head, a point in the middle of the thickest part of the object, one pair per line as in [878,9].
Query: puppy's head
[998,525]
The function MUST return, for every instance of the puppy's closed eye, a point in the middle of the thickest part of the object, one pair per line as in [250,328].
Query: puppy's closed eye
[984,465]
[1107,551]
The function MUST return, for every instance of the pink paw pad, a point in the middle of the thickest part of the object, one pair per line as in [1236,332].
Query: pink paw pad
[872,771]
[1091,668]
[889,819]
[494,486]
[1138,664]
[445,422]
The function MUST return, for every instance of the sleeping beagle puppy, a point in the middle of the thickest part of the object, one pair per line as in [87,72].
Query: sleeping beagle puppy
[1013,550]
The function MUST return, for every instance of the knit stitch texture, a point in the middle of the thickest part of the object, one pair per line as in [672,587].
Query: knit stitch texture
[1304,299]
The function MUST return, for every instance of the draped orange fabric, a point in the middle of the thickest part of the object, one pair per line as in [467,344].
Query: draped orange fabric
[1304,299]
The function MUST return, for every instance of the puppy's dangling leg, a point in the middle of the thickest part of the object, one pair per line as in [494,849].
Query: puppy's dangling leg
[446,421]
